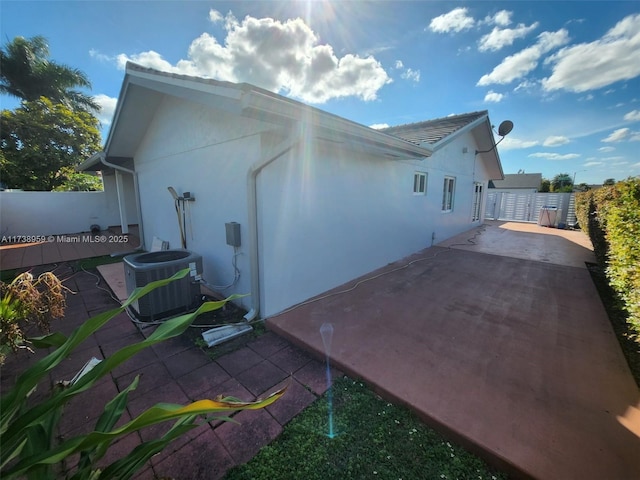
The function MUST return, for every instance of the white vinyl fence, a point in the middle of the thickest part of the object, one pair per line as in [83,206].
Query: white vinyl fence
[55,213]
[526,207]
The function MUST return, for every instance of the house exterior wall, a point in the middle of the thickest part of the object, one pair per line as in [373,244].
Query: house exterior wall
[207,153]
[329,215]
[326,214]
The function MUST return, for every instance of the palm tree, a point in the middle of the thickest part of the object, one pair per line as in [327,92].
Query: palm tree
[562,183]
[27,73]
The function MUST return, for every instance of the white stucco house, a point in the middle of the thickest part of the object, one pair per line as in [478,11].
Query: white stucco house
[320,200]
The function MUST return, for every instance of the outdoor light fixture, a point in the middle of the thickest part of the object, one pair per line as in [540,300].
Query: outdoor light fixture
[503,130]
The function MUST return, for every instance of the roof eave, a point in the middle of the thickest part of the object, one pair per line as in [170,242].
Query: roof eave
[466,128]
[90,162]
[281,109]
[254,102]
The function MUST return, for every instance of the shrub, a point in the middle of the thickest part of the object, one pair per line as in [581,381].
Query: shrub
[27,427]
[611,218]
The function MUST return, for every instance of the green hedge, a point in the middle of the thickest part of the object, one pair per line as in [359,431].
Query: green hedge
[611,217]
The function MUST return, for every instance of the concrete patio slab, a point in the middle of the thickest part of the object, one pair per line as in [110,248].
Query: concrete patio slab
[515,358]
[528,241]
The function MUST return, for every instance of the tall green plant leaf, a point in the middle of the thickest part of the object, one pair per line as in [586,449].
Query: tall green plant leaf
[27,432]
[157,414]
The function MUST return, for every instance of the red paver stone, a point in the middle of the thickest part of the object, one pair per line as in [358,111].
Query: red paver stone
[239,361]
[257,428]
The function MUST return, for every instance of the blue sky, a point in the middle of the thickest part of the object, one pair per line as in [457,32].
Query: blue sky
[566,73]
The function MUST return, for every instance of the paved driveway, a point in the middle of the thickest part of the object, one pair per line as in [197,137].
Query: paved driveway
[498,338]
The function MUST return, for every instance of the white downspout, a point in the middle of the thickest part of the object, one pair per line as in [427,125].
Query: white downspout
[103,160]
[122,204]
[252,205]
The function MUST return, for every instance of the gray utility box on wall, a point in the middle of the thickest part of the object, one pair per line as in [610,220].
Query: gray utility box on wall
[178,296]
[233,233]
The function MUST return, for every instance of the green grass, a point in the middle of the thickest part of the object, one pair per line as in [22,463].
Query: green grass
[376,440]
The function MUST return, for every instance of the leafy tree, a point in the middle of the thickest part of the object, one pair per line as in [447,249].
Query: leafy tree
[78,181]
[609,181]
[545,186]
[581,187]
[562,183]
[40,138]
[27,73]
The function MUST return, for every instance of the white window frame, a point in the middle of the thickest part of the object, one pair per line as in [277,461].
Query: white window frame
[478,191]
[419,183]
[448,194]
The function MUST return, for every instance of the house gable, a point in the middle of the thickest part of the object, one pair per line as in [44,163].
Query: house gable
[438,133]
[143,89]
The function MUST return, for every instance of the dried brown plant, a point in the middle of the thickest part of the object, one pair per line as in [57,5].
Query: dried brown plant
[27,301]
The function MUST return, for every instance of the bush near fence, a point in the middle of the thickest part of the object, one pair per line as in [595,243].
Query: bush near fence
[611,217]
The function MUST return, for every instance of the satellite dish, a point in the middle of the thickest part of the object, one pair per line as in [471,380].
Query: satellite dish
[503,130]
[505,127]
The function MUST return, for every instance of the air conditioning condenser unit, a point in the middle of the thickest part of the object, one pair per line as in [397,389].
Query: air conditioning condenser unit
[178,296]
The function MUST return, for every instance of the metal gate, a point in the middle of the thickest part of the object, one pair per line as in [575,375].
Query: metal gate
[525,207]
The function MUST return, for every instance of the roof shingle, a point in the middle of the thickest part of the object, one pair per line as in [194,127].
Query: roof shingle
[433,131]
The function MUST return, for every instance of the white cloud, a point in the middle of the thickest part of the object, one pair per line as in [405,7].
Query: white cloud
[379,126]
[492,96]
[108,107]
[555,141]
[617,135]
[410,74]
[215,16]
[149,59]
[635,137]
[587,66]
[519,64]
[283,57]
[512,143]
[592,164]
[503,37]
[526,85]
[93,53]
[502,18]
[606,149]
[632,116]
[454,21]
[554,156]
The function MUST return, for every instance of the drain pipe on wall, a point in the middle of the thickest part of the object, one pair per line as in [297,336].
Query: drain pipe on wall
[103,159]
[252,204]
